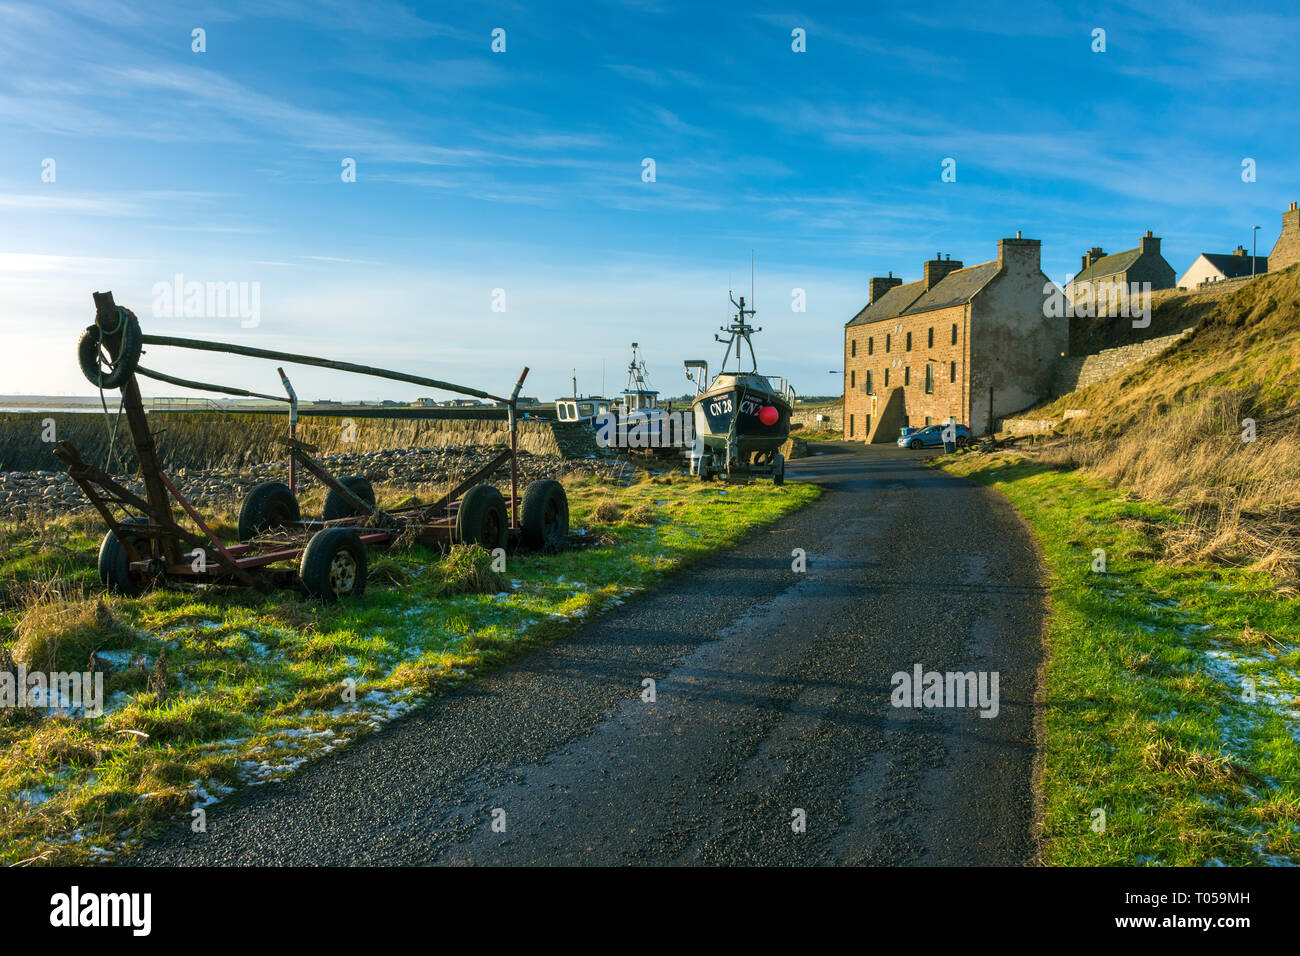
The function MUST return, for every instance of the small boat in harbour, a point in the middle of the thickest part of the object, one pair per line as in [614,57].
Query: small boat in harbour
[640,424]
[583,409]
[741,418]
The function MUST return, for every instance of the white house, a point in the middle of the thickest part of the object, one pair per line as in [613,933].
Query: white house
[1216,266]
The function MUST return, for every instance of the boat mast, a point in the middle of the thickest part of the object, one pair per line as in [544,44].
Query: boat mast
[739,329]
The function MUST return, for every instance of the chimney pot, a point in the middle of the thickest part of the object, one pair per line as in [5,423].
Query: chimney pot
[1149,234]
[1017,233]
[1293,205]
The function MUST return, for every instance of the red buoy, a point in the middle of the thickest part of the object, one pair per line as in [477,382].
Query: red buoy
[768,414]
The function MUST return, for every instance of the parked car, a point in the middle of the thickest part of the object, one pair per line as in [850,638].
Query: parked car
[932,435]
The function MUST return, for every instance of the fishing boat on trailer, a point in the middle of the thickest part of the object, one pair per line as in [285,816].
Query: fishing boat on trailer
[741,418]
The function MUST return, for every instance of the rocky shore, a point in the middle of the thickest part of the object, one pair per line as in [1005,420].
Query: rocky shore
[417,470]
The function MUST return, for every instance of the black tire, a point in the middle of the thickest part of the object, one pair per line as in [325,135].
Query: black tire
[778,469]
[705,468]
[962,441]
[269,505]
[114,562]
[914,444]
[88,354]
[544,516]
[336,506]
[333,565]
[482,519]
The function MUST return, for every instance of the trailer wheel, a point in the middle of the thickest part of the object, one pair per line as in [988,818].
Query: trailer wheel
[778,469]
[482,519]
[115,564]
[705,468]
[120,367]
[336,506]
[544,515]
[334,565]
[269,505]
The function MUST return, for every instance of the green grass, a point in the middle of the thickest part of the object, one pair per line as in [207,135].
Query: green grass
[1143,710]
[252,685]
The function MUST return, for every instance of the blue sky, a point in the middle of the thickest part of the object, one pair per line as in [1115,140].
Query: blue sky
[522,170]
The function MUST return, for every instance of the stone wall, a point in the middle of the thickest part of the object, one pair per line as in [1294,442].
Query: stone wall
[227,440]
[1080,371]
[806,415]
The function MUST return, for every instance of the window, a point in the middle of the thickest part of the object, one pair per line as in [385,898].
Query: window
[954,333]
[887,340]
[927,421]
[871,345]
[850,426]
[952,371]
[853,348]
[929,379]
[907,344]
[853,379]
[930,341]
[907,375]
[866,385]
[866,425]
[886,378]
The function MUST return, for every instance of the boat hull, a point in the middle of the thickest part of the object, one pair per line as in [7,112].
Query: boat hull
[715,410]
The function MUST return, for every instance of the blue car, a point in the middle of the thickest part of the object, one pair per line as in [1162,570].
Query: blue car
[932,435]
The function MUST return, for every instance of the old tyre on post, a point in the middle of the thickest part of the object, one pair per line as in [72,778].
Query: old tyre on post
[778,469]
[121,363]
[544,515]
[333,565]
[115,563]
[482,518]
[336,506]
[269,505]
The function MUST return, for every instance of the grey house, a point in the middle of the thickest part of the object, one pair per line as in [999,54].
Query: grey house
[1108,280]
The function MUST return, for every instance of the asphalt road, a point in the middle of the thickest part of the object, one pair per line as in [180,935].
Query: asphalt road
[772,696]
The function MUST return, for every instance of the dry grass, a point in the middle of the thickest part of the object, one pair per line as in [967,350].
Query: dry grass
[641,514]
[606,511]
[56,635]
[1166,756]
[467,569]
[1171,429]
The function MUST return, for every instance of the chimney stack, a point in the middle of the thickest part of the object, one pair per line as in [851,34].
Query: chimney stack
[1091,256]
[1149,243]
[1239,251]
[1023,252]
[939,267]
[879,286]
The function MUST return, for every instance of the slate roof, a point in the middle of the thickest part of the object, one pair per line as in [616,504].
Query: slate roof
[891,304]
[956,288]
[1234,267]
[1109,265]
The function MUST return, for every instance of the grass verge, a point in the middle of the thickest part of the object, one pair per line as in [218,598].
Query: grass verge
[208,691]
[1171,698]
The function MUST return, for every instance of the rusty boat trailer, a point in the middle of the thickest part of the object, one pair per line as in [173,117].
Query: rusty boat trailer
[146,544]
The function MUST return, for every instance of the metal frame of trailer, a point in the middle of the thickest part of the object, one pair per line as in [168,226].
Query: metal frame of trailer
[146,543]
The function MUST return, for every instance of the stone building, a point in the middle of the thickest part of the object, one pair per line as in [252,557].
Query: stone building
[1218,266]
[1286,251]
[970,342]
[1105,282]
